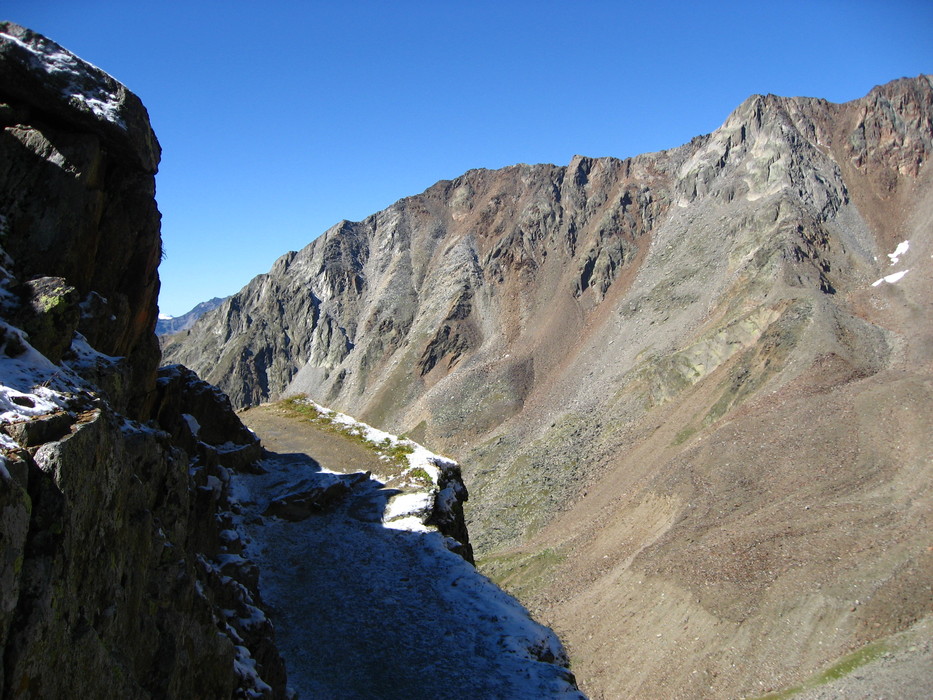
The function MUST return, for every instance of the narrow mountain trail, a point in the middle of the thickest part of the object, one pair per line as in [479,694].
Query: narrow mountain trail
[362,610]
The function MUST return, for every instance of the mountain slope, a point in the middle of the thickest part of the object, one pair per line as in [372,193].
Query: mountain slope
[175,324]
[668,378]
[521,260]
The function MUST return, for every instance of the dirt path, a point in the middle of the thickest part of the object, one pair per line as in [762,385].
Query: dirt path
[284,435]
[362,610]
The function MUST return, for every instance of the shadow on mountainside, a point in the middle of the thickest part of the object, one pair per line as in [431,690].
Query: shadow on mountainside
[362,610]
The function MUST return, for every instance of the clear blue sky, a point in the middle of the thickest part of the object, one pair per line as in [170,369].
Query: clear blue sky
[278,119]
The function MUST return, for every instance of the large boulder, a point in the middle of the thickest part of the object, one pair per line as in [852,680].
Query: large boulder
[77,183]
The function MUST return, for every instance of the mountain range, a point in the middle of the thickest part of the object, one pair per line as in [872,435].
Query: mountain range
[690,390]
[167,325]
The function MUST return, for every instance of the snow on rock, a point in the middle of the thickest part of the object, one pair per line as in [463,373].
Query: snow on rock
[6,443]
[17,405]
[408,511]
[53,80]
[192,422]
[245,667]
[101,99]
[86,355]
[30,385]
[418,507]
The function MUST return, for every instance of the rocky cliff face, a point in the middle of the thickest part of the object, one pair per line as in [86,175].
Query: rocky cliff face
[120,573]
[666,377]
[484,286]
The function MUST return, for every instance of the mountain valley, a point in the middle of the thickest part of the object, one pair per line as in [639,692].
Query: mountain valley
[690,390]
[150,546]
[689,395]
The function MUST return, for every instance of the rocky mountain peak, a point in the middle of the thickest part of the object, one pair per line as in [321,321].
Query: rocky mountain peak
[514,244]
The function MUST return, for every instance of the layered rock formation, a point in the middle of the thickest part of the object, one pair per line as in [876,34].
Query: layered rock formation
[120,573]
[670,379]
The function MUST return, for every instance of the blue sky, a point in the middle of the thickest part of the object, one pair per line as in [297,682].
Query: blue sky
[278,119]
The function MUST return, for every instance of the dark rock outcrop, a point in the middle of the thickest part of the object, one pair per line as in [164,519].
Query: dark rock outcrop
[121,572]
[73,132]
[201,421]
[304,500]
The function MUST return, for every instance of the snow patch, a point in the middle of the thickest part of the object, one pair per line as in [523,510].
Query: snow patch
[409,510]
[902,248]
[245,667]
[25,383]
[890,279]
[84,356]
[406,505]
[409,523]
[192,422]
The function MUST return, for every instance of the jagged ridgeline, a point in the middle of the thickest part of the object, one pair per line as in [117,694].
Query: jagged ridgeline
[450,310]
[674,378]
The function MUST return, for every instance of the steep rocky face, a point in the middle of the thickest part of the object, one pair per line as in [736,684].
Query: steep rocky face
[121,574]
[389,316]
[667,378]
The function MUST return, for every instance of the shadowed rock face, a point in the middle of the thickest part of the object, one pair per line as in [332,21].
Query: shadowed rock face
[686,338]
[121,573]
[77,183]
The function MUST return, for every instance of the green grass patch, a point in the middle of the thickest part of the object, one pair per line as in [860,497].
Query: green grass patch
[684,435]
[523,573]
[395,454]
[398,451]
[420,474]
[841,668]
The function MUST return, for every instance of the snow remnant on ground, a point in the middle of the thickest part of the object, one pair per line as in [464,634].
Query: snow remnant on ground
[417,498]
[902,248]
[895,257]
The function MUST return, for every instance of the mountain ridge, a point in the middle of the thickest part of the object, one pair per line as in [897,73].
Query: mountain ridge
[166,325]
[584,339]
[344,248]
